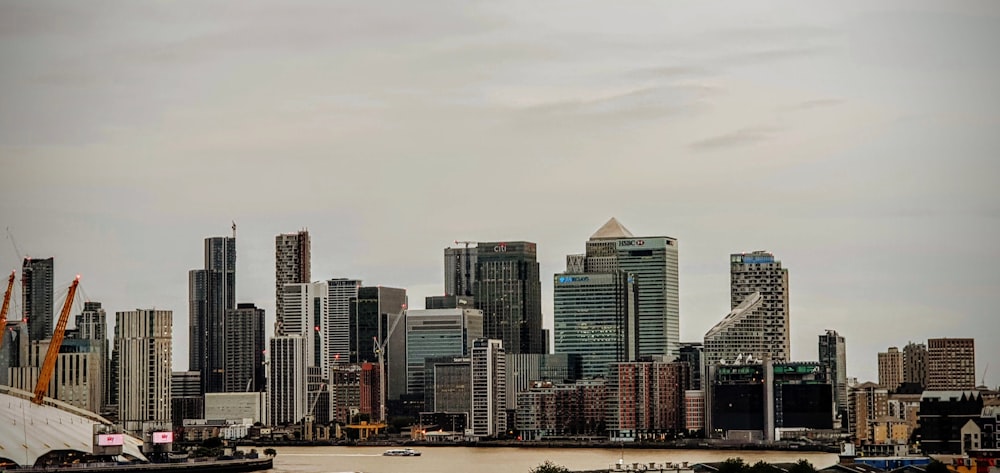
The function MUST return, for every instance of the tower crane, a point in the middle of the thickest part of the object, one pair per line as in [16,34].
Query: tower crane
[380,353]
[49,365]
[6,305]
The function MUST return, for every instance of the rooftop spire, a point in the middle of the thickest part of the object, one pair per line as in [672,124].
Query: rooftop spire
[611,230]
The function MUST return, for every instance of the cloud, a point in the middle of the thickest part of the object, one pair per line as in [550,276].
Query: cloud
[738,138]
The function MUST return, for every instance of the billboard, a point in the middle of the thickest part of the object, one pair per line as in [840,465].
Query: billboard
[110,440]
[163,437]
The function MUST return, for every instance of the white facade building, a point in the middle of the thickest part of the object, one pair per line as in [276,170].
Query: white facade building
[489,379]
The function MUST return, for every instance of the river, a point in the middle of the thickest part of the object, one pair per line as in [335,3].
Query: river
[505,460]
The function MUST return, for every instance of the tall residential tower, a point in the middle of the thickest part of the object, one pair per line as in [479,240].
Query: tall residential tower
[36,297]
[291,266]
[211,293]
[758,272]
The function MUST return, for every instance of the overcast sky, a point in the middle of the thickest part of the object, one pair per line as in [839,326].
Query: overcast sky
[858,141]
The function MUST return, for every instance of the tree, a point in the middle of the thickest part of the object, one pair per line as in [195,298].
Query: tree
[762,467]
[549,467]
[802,466]
[270,452]
[733,465]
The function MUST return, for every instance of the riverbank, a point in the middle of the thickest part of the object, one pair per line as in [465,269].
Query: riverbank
[222,466]
[700,444]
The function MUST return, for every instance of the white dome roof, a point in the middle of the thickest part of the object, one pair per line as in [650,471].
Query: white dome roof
[29,430]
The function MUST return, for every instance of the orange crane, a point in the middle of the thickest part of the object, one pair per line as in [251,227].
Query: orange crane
[49,365]
[6,305]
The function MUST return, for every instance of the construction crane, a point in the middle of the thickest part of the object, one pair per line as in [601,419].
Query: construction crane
[49,365]
[6,305]
[380,353]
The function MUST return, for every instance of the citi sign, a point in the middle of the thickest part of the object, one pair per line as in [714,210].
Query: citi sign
[500,248]
[631,242]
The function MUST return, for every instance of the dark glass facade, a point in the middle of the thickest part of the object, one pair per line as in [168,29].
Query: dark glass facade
[36,297]
[509,292]
[245,349]
[211,294]
[379,312]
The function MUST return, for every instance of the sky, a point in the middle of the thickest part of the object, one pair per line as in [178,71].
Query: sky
[857,141]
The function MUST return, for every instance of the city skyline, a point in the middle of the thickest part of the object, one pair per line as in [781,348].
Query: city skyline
[854,141]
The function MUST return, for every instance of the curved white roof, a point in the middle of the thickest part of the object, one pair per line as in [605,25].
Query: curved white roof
[29,430]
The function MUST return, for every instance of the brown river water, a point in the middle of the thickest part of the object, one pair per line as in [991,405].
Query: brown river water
[506,460]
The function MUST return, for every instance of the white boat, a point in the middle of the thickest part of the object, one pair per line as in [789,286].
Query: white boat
[401,452]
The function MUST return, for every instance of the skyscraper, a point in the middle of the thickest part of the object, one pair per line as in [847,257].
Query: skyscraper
[92,324]
[833,354]
[509,292]
[759,272]
[381,312]
[287,380]
[890,368]
[211,294]
[460,270]
[244,365]
[143,345]
[652,261]
[915,364]
[291,265]
[340,294]
[951,364]
[305,309]
[596,317]
[36,297]
[489,377]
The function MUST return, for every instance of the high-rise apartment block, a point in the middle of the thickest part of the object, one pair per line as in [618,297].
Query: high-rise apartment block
[244,363]
[833,355]
[890,368]
[758,272]
[92,324]
[36,297]
[211,294]
[741,335]
[291,266]
[951,364]
[509,292]
[489,377]
[652,261]
[646,398]
[143,343]
[305,308]
[915,364]
[596,317]
[287,380]
[436,333]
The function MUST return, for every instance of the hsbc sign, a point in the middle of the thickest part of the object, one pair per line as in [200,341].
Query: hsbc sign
[631,242]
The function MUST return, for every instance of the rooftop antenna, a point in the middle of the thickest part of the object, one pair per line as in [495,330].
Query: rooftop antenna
[234,229]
